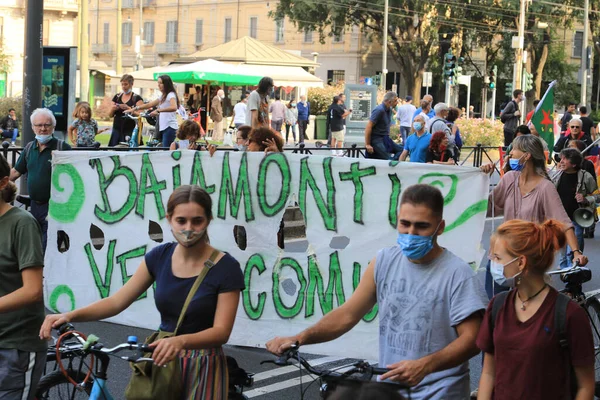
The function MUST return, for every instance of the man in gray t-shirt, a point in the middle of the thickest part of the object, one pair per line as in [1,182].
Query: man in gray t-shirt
[257,114]
[430,305]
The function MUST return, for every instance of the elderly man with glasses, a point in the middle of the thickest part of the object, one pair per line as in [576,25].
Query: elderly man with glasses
[573,132]
[35,161]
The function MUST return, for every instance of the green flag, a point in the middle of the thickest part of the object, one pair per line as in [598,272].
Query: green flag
[543,117]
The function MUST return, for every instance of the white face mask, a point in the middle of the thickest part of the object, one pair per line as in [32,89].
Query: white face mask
[497,271]
[188,238]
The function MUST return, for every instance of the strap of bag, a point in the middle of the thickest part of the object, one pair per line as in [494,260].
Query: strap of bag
[560,320]
[499,301]
[207,266]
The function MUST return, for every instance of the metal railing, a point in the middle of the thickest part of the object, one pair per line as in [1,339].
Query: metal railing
[102,48]
[167,48]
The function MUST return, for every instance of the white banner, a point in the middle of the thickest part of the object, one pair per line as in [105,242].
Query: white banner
[349,206]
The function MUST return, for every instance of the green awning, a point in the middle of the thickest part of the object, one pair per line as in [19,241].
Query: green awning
[211,71]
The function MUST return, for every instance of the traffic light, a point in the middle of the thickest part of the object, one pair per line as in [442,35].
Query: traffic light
[376,79]
[493,74]
[509,89]
[527,81]
[449,66]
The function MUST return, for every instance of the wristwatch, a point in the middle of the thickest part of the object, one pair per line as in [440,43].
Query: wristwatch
[577,251]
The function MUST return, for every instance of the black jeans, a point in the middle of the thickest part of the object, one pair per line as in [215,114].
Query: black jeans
[302,124]
[40,213]
[508,137]
[287,132]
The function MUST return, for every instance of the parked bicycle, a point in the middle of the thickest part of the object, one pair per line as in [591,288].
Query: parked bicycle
[574,278]
[358,373]
[135,140]
[81,368]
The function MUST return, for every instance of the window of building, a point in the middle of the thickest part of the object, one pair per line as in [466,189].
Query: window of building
[577,44]
[227,30]
[279,30]
[149,33]
[199,27]
[308,35]
[254,27]
[126,33]
[335,75]
[171,31]
[338,33]
[106,33]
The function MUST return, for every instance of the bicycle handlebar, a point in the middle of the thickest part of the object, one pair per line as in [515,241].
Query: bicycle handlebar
[92,345]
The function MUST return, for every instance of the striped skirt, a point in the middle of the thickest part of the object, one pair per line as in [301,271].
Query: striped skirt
[204,374]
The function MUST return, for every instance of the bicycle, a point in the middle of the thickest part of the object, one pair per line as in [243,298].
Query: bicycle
[135,140]
[70,382]
[356,375]
[574,278]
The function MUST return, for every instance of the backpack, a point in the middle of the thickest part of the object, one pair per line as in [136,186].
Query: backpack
[503,117]
[560,324]
[29,146]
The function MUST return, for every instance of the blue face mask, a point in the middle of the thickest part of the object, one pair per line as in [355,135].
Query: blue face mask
[416,247]
[418,126]
[497,271]
[43,139]
[515,164]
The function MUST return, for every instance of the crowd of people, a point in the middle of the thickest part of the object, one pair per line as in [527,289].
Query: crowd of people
[434,313]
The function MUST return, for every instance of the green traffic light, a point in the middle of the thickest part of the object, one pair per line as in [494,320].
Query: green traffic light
[492,85]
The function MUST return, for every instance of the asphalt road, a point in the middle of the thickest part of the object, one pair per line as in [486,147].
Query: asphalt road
[272,382]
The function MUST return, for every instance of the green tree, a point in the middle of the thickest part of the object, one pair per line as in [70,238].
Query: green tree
[412,33]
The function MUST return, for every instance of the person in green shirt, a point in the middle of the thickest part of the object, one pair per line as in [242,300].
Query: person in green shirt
[22,352]
[35,161]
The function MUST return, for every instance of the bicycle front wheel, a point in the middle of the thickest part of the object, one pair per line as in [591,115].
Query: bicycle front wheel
[55,386]
[592,308]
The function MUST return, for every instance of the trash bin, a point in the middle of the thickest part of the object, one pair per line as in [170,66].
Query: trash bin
[321,127]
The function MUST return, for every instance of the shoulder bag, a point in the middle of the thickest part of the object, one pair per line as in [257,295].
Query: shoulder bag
[150,381]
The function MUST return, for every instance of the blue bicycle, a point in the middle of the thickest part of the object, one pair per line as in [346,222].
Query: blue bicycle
[81,368]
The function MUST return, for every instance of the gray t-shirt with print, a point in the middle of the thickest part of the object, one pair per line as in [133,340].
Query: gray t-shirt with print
[419,308]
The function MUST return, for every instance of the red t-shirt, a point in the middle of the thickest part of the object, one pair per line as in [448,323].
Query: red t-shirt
[530,364]
[529,116]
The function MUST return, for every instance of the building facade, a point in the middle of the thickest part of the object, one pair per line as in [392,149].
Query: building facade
[60,29]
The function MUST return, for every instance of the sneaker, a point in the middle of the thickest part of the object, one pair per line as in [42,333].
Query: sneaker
[474,394]
[13,144]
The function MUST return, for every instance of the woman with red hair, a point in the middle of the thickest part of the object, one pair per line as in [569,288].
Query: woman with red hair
[438,152]
[522,355]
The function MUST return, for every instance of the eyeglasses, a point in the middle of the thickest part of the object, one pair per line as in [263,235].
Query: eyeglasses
[575,126]
[47,126]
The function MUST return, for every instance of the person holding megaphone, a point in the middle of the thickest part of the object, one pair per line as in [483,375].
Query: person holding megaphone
[575,186]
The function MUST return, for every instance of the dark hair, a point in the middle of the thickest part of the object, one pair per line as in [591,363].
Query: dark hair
[517,92]
[536,102]
[336,99]
[127,78]
[523,129]
[436,140]
[9,193]
[168,88]
[244,131]
[572,103]
[426,195]
[260,135]
[198,88]
[425,104]
[188,129]
[244,95]
[190,194]
[453,114]
[583,109]
[265,85]
[360,390]
[277,96]
[11,109]
[573,155]
[580,144]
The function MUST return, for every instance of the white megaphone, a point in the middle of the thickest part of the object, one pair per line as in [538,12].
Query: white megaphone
[584,216]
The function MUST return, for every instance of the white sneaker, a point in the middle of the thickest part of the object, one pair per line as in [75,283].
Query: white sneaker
[13,144]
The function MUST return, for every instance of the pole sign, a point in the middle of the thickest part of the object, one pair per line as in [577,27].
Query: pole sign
[361,99]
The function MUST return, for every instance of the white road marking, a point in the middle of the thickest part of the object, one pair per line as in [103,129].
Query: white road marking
[291,368]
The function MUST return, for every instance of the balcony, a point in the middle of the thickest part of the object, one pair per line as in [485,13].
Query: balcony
[167,48]
[61,5]
[128,4]
[102,48]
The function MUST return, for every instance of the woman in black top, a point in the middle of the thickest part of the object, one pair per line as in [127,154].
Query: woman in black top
[126,100]
[438,152]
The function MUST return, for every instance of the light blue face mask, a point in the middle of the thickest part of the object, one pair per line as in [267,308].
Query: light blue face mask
[418,126]
[43,139]
[497,271]
[515,164]
[240,147]
[416,247]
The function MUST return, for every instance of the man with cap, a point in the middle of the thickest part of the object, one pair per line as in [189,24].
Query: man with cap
[405,116]
[439,123]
